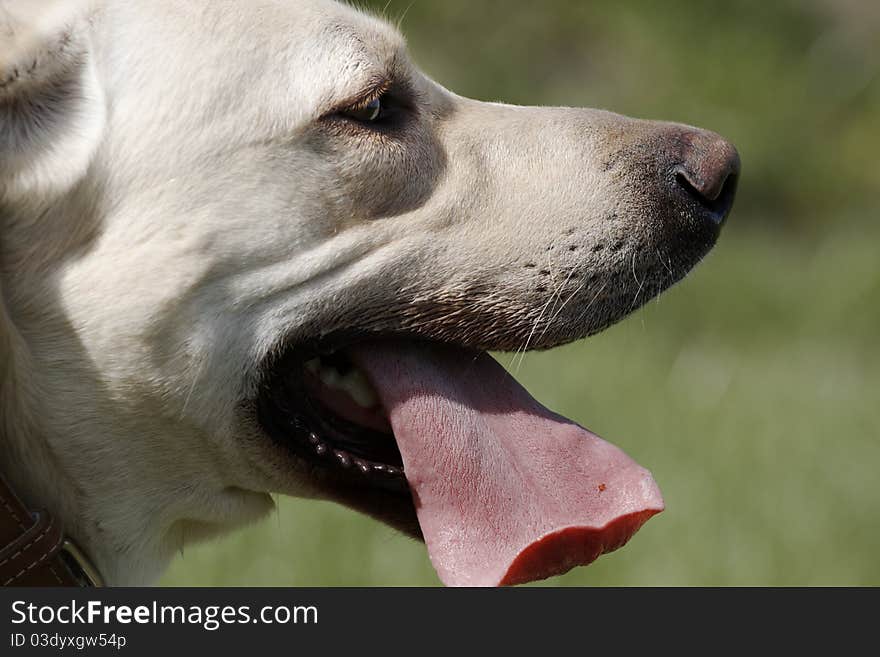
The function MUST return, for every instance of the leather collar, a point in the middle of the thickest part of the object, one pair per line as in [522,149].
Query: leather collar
[34,550]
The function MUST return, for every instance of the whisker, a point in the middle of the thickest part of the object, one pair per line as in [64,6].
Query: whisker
[555,313]
[555,297]
[663,262]
[525,347]
[521,352]
[592,301]
[403,16]
[638,282]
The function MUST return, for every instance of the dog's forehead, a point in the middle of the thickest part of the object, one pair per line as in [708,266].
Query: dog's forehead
[325,50]
[325,53]
[287,60]
[345,49]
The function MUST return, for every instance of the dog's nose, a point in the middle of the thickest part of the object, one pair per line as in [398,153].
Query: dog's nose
[707,172]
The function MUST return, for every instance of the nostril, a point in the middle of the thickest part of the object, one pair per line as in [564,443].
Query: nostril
[718,202]
[706,187]
[708,172]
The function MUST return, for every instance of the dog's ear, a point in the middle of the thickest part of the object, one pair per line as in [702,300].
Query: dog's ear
[52,110]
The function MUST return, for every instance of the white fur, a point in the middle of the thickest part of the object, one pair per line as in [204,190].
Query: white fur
[181,213]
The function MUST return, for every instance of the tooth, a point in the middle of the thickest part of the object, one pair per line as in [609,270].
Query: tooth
[343,459]
[360,390]
[329,377]
[354,384]
[362,466]
[320,449]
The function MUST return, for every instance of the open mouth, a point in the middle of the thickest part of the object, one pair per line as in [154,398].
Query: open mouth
[326,411]
[505,491]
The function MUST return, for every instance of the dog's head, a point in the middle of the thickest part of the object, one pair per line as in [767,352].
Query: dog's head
[221,219]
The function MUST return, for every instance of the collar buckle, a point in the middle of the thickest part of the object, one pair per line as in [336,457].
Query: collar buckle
[80,564]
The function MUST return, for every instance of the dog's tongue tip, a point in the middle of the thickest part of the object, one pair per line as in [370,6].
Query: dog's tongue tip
[560,551]
[506,492]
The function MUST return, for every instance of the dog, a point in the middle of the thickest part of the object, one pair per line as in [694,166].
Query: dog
[248,248]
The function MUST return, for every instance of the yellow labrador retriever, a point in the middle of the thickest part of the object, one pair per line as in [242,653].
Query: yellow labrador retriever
[248,247]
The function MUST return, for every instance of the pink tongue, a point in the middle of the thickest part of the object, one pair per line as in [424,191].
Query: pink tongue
[506,492]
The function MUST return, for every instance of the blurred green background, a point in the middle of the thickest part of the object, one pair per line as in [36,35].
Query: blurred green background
[751,389]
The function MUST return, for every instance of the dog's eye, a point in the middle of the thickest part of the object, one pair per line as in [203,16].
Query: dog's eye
[366,113]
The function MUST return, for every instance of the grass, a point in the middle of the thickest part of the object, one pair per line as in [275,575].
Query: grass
[750,390]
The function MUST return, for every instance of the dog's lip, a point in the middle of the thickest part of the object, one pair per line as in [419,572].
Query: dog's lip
[382,493]
[394,509]
[295,418]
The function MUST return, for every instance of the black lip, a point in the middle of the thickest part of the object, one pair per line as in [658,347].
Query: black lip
[293,420]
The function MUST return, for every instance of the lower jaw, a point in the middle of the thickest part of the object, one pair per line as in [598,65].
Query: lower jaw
[351,456]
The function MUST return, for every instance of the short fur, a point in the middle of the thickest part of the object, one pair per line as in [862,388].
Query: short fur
[177,202]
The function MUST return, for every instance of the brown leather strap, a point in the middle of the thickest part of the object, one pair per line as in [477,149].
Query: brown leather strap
[33,550]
